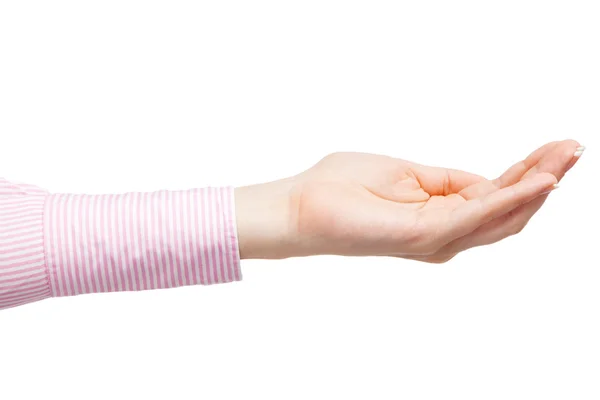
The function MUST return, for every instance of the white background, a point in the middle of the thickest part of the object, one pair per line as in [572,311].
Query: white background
[114,96]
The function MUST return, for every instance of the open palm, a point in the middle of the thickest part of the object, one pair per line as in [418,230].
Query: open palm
[366,204]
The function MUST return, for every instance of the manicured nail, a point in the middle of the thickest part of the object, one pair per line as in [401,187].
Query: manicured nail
[552,188]
[579,151]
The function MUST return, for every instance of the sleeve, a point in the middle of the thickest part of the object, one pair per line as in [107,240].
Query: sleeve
[23,277]
[74,244]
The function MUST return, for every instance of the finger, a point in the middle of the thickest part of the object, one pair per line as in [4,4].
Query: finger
[558,162]
[478,190]
[443,181]
[555,157]
[479,211]
[498,229]
[406,191]
[518,170]
[511,176]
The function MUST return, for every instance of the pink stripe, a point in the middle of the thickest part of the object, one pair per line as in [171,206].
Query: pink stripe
[18,222]
[217,235]
[149,261]
[175,254]
[226,240]
[205,247]
[142,266]
[97,262]
[165,280]
[177,229]
[132,253]
[34,290]
[72,235]
[55,248]
[30,255]
[27,299]
[39,258]
[170,240]
[24,226]
[200,243]
[192,241]
[121,243]
[103,236]
[21,202]
[113,251]
[22,248]
[183,218]
[176,232]
[5,273]
[4,304]
[14,217]
[67,244]
[38,238]
[68,253]
[167,240]
[16,296]
[222,240]
[206,223]
[14,278]
[154,243]
[93,254]
[86,280]
[127,244]
[116,249]
[83,281]
[23,298]
[36,281]
[48,248]
[232,230]
[62,247]
[19,212]
[90,281]
[169,271]
[13,202]
[210,219]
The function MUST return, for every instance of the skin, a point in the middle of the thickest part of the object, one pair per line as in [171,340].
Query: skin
[358,204]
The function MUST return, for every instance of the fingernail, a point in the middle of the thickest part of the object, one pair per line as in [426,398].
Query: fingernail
[552,188]
[579,151]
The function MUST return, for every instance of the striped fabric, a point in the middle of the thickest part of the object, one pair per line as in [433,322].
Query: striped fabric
[23,277]
[70,244]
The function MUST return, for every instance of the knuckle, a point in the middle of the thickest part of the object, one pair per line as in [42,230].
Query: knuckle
[439,258]
[443,259]
[485,209]
[333,156]
[515,228]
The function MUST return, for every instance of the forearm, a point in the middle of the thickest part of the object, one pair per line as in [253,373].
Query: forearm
[67,244]
[136,241]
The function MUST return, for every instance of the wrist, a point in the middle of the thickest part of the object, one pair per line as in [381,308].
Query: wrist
[264,215]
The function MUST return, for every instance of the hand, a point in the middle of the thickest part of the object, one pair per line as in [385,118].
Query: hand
[365,204]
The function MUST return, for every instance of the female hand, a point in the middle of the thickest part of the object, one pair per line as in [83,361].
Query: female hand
[365,204]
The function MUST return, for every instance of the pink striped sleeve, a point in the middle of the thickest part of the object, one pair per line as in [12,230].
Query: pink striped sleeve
[23,277]
[70,244]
